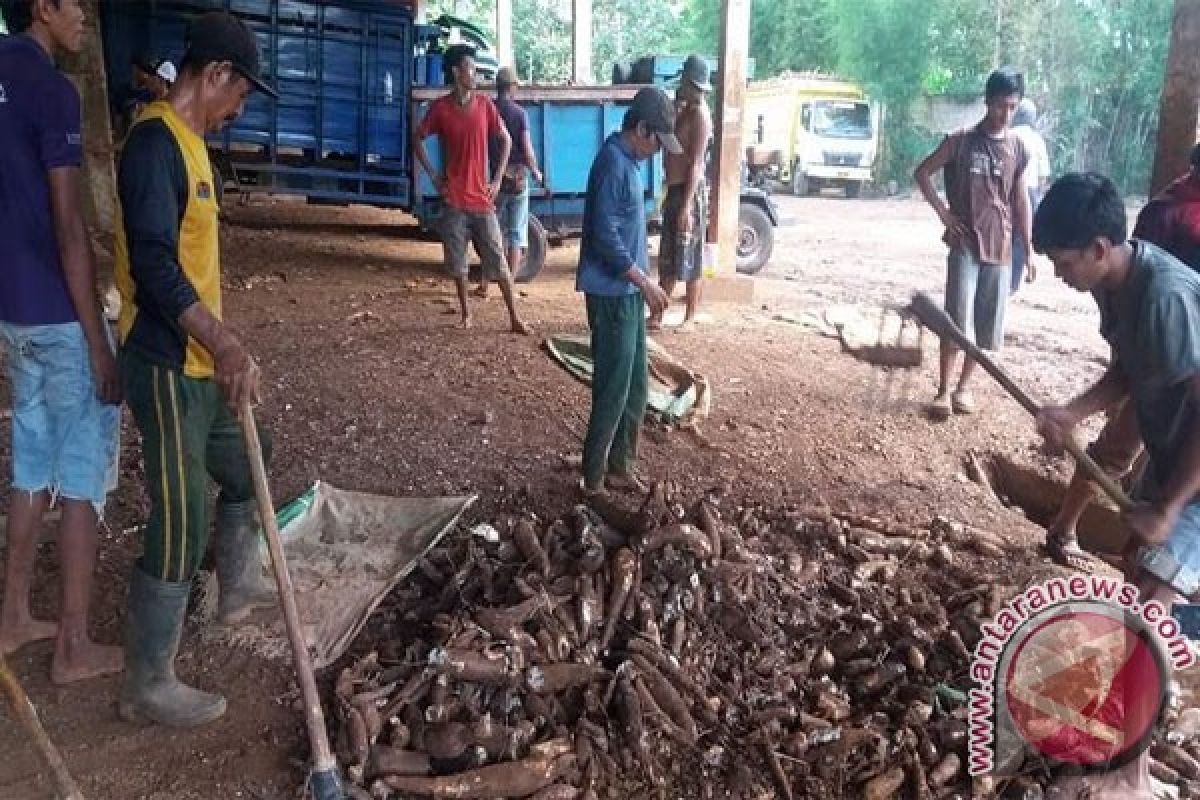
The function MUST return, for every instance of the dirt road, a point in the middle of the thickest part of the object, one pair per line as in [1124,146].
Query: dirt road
[369,387]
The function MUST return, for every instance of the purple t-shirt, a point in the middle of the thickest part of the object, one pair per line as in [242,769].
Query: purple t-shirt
[517,123]
[39,131]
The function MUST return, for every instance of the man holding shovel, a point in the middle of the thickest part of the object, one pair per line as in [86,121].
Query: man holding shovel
[1172,221]
[985,189]
[184,370]
[1150,311]
[612,275]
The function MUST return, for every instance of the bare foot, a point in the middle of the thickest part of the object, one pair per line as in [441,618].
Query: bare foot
[14,637]
[687,326]
[89,660]
[520,327]
[465,323]
[480,291]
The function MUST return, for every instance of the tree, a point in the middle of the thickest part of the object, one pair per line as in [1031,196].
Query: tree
[625,30]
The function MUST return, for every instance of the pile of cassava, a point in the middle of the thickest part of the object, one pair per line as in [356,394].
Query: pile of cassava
[683,650]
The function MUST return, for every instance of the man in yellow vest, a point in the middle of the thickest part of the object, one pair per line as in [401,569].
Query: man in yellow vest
[186,375]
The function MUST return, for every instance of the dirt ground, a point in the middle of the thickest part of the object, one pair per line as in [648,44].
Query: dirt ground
[369,387]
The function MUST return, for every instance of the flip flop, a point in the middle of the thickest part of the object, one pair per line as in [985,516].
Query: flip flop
[963,403]
[940,409]
[1066,552]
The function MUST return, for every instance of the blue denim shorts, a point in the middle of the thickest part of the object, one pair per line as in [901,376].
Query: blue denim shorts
[64,440]
[513,212]
[1176,562]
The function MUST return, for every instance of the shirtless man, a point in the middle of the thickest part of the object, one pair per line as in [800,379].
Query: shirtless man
[685,212]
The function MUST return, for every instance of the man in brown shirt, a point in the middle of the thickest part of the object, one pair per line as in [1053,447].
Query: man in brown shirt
[984,168]
[684,211]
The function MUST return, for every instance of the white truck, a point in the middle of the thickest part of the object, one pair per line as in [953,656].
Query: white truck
[810,131]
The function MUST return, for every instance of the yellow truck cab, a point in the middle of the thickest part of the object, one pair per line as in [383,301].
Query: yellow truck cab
[810,131]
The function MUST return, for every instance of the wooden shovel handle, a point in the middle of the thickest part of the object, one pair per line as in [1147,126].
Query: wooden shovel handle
[26,714]
[314,716]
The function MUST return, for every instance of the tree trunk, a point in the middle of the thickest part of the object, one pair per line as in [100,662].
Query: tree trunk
[1178,111]
[87,71]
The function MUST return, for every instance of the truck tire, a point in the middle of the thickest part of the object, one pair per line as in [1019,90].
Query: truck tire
[853,189]
[535,253]
[756,239]
[799,183]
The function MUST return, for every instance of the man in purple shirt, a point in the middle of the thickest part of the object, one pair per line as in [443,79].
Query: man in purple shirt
[512,201]
[61,367]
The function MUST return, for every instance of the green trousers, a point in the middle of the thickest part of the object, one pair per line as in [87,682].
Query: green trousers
[620,384]
[188,434]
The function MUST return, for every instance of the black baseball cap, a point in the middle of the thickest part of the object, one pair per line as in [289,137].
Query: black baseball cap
[654,109]
[220,36]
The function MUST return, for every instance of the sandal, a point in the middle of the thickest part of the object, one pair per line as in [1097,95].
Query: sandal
[940,408]
[1066,552]
[964,403]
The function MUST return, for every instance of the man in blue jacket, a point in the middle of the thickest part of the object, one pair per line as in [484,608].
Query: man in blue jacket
[613,275]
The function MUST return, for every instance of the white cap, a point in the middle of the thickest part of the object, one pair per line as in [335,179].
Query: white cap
[166,71]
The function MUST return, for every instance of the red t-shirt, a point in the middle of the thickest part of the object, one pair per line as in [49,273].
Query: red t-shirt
[464,132]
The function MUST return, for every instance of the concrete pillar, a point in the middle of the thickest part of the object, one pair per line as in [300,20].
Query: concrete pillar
[581,42]
[88,73]
[1178,112]
[727,130]
[504,33]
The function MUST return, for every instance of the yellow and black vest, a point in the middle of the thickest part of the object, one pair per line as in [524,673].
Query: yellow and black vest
[167,249]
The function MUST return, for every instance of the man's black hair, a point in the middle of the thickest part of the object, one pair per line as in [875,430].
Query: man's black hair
[1079,208]
[1005,82]
[455,54]
[18,14]
[1195,160]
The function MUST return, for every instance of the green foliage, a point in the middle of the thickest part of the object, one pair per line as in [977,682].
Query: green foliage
[542,40]
[625,30]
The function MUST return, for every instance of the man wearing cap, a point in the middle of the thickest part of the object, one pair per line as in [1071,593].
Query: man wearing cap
[186,374]
[463,120]
[512,201]
[61,372]
[684,211]
[612,274]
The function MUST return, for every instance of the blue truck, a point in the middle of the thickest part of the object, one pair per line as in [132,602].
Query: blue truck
[352,85]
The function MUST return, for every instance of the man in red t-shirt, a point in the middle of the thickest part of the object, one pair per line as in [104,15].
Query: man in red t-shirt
[463,121]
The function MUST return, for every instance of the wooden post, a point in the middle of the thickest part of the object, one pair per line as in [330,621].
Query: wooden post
[87,72]
[1178,112]
[504,33]
[581,42]
[730,97]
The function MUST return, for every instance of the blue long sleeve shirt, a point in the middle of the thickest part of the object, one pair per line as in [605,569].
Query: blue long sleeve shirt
[614,223]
